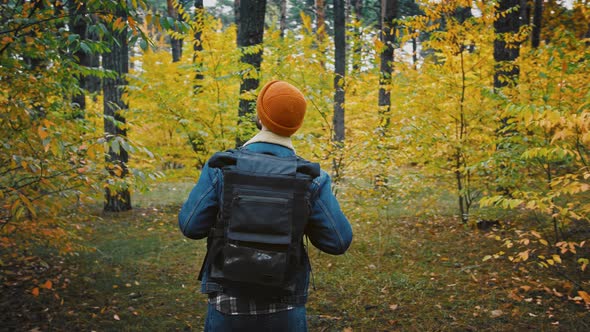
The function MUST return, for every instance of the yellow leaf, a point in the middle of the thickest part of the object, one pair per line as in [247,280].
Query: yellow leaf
[557,258]
[543,242]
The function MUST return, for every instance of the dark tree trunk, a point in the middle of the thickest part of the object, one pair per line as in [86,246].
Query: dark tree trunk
[198,44]
[357,52]
[175,44]
[340,68]
[250,33]
[117,60]
[388,14]
[506,73]
[93,83]
[415,52]
[525,12]
[79,27]
[237,12]
[320,11]
[537,24]
[283,18]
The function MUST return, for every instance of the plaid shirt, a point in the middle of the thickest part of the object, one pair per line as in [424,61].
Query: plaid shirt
[230,305]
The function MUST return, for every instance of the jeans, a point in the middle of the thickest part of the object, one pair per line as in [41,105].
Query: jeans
[293,320]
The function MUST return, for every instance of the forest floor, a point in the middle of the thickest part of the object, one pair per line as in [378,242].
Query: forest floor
[401,273]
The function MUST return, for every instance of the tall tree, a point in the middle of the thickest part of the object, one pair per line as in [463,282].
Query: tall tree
[320,12]
[537,22]
[175,43]
[357,10]
[117,197]
[198,43]
[79,27]
[283,17]
[340,68]
[507,24]
[387,36]
[250,37]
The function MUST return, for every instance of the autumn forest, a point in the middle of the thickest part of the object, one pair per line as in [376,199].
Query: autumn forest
[456,133]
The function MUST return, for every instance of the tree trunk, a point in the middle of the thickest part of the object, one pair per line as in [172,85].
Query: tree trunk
[320,6]
[388,14]
[93,83]
[537,24]
[117,60]
[283,18]
[176,44]
[250,33]
[340,68]
[79,27]
[357,58]
[198,44]
[506,73]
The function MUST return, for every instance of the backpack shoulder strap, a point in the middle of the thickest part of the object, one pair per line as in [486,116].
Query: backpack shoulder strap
[308,168]
[223,159]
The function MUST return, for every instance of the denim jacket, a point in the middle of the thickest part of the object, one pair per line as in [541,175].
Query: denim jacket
[327,228]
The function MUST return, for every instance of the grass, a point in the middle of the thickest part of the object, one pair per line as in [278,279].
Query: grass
[402,273]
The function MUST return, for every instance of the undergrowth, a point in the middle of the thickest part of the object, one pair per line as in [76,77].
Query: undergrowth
[402,273]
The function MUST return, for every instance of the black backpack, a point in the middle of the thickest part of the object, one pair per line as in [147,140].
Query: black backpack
[256,245]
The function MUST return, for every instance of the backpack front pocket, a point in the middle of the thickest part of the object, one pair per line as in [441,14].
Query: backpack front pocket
[254,265]
[260,218]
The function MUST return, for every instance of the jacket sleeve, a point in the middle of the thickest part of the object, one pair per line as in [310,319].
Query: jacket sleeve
[327,228]
[199,212]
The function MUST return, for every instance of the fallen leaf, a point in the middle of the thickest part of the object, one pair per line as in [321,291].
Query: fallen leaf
[496,313]
[47,285]
[585,296]
[525,288]
[514,295]
[393,306]
[116,317]
[347,329]
[35,291]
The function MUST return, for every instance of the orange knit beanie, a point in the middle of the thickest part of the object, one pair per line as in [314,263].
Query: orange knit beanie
[281,107]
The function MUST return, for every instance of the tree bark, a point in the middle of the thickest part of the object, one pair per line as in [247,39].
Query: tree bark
[537,24]
[340,68]
[198,44]
[357,50]
[250,33]
[506,73]
[320,11]
[117,60]
[79,27]
[175,44]
[387,36]
[283,18]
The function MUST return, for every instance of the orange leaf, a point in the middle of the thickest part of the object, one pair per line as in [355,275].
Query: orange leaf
[42,133]
[585,296]
[47,285]
[35,291]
